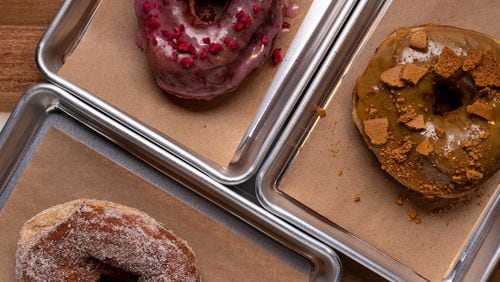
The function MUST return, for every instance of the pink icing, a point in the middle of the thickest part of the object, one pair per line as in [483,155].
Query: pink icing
[292,11]
[196,59]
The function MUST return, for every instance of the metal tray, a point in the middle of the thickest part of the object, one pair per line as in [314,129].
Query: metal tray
[481,252]
[44,106]
[319,29]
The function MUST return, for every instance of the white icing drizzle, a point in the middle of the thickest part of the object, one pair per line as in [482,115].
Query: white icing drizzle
[408,55]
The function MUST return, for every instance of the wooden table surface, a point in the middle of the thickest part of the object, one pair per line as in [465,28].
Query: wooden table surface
[22,23]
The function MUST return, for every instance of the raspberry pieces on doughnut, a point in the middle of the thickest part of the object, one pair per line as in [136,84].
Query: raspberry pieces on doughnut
[438,90]
[201,51]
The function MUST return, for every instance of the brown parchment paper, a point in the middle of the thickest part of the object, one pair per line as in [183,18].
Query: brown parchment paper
[63,169]
[334,163]
[109,65]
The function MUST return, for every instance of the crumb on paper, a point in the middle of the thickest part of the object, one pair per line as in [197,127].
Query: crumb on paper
[321,112]
[399,200]
[440,211]
[412,213]
[357,198]
[333,152]
[413,216]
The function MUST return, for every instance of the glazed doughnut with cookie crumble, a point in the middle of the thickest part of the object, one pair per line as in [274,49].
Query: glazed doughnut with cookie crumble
[428,107]
[93,240]
[200,49]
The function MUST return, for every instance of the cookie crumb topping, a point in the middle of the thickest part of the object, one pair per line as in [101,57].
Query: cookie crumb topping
[412,73]
[392,76]
[472,60]
[482,109]
[377,130]
[418,41]
[417,123]
[448,63]
[425,147]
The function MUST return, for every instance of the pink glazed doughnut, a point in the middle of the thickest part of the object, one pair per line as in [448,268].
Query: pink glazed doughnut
[200,57]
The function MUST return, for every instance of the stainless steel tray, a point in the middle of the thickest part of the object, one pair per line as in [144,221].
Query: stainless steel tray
[44,106]
[479,255]
[319,29]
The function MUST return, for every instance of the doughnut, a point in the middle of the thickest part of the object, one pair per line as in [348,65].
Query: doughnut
[92,240]
[200,52]
[428,106]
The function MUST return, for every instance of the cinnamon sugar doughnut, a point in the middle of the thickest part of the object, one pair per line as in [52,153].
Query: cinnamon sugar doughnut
[86,240]
[202,54]
[428,106]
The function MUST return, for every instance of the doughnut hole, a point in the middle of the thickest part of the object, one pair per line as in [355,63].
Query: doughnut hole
[109,273]
[451,95]
[208,11]
[117,278]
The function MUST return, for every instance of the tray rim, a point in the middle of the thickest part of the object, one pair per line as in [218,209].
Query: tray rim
[276,105]
[46,98]
[277,202]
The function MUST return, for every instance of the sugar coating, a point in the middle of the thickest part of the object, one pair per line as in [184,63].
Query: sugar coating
[95,240]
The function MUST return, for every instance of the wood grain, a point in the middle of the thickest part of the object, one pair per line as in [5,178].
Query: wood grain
[17,64]
[21,26]
[28,12]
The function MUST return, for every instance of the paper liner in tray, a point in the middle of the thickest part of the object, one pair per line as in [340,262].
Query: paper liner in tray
[108,64]
[334,165]
[63,169]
